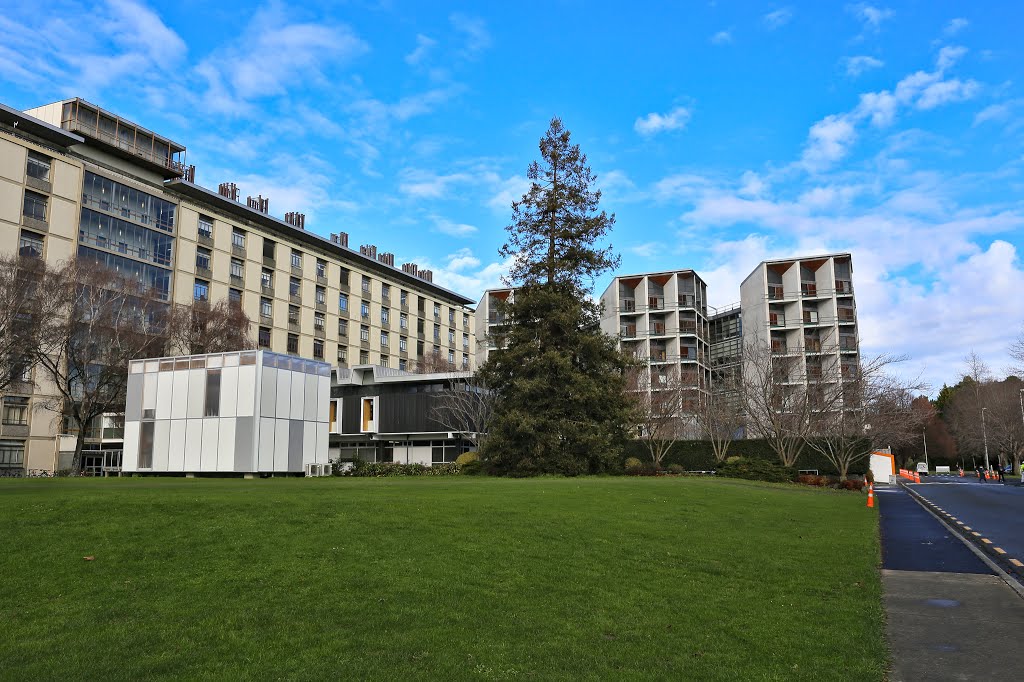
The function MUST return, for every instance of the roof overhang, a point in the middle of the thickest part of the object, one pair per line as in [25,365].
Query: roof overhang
[41,129]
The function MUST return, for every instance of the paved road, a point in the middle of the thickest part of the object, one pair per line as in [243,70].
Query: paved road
[994,510]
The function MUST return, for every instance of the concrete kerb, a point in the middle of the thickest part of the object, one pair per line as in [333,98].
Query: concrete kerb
[1011,575]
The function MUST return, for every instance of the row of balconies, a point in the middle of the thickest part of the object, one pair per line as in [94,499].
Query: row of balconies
[843,287]
[628,305]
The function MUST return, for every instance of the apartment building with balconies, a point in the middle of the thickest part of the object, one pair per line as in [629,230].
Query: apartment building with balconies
[803,309]
[77,181]
[661,319]
[490,319]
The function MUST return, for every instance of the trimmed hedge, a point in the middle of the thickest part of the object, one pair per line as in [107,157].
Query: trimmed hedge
[697,455]
[361,468]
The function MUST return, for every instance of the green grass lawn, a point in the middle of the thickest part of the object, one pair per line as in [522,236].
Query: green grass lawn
[437,578]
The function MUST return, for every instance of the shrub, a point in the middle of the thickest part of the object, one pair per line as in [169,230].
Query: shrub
[633,465]
[471,468]
[851,484]
[754,470]
[676,469]
[811,479]
[466,458]
[360,468]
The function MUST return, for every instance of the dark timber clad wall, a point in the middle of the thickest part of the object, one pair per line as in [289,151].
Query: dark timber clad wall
[399,410]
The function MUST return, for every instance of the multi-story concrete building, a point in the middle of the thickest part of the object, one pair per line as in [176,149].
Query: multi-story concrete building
[661,319]
[488,319]
[726,325]
[79,181]
[804,309]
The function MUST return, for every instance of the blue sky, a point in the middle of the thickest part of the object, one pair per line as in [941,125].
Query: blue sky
[721,132]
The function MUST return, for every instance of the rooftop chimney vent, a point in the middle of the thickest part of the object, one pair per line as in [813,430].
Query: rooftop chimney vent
[258,203]
[296,219]
[229,190]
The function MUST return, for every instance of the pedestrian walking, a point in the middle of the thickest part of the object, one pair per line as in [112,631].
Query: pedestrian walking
[1002,475]
[981,473]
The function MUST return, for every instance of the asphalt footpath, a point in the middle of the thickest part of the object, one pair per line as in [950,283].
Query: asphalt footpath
[950,616]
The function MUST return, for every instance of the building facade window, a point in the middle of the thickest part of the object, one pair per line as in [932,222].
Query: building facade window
[342,327]
[403,297]
[343,278]
[237,268]
[403,320]
[437,332]
[321,268]
[296,259]
[403,344]
[319,323]
[293,314]
[321,295]
[366,284]
[267,278]
[465,319]
[451,357]
[364,357]
[385,361]
[266,307]
[202,258]
[451,317]
[451,336]
[264,337]
[343,302]
[206,227]
[38,166]
[30,245]
[15,411]
[385,315]
[383,339]
[128,202]
[293,343]
[12,454]
[34,206]
[294,286]
[385,291]
[114,234]
[364,309]
[201,290]
[403,364]
[342,354]
[238,238]
[318,349]
[437,311]
[465,340]
[269,248]
[235,296]
[364,333]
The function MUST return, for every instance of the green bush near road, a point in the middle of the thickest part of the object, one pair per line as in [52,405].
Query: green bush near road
[437,578]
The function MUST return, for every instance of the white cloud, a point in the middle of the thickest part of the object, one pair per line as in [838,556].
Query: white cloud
[722,38]
[949,55]
[423,46]
[828,141]
[452,229]
[871,17]
[945,92]
[955,26]
[999,112]
[428,185]
[647,250]
[857,65]
[457,274]
[654,123]
[778,18]
[753,185]
[474,29]
[463,259]
[509,190]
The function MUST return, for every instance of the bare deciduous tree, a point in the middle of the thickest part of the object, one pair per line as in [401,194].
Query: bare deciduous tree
[664,405]
[720,416]
[20,310]
[99,321]
[876,410]
[465,407]
[200,328]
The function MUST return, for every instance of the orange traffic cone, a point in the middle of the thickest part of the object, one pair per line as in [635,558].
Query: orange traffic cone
[917,477]
[871,495]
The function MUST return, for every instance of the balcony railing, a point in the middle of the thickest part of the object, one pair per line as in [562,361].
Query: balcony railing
[846,315]
[657,329]
[812,345]
[847,344]
[627,331]
[687,300]
[656,302]
[628,305]
[777,320]
[775,292]
[808,289]
[844,286]
[778,348]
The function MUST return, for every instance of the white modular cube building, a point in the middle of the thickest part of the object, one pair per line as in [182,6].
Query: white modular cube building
[243,412]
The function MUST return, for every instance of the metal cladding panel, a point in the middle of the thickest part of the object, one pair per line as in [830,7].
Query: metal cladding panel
[229,392]
[133,401]
[309,430]
[322,444]
[226,445]
[130,458]
[309,399]
[284,394]
[298,395]
[280,445]
[164,391]
[179,396]
[350,415]
[161,441]
[268,392]
[149,383]
[193,443]
[208,451]
[246,403]
[245,459]
[176,448]
[266,453]
[196,393]
[323,399]
[295,443]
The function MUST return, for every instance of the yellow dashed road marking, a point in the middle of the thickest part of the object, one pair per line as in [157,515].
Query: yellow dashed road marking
[986,541]
[967,527]
[1000,550]
[975,533]
[1015,562]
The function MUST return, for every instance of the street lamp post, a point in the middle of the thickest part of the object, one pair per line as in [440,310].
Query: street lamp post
[924,437]
[984,435]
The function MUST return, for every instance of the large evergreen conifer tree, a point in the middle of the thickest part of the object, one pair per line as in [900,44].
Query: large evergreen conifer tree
[560,404]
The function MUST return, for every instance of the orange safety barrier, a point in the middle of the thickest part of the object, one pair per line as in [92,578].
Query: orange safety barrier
[871,495]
